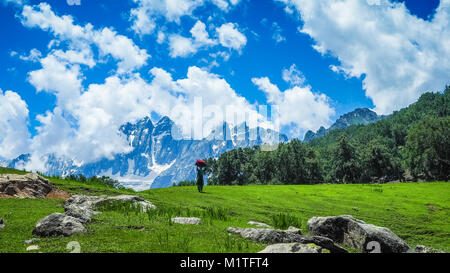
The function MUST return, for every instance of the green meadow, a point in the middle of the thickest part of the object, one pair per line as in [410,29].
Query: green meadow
[417,212]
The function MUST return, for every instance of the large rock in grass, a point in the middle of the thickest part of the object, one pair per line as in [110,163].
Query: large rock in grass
[139,202]
[29,185]
[58,224]
[292,235]
[83,207]
[357,234]
[292,248]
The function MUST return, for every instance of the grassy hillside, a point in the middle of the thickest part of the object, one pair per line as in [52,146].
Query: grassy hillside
[417,212]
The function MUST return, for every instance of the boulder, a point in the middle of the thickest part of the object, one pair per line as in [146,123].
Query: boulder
[79,209]
[258,224]
[82,206]
[2,223]
[292,248]
[57,224]
[266,235]
[29,185]
[138,201]
[292,235]
[187,220]
[356,233]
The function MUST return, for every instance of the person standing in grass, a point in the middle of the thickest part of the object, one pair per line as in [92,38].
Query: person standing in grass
[201,164]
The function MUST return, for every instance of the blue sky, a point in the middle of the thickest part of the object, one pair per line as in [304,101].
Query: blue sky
[315,61]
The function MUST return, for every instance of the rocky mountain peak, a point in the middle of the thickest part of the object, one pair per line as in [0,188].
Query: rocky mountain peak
[359,116]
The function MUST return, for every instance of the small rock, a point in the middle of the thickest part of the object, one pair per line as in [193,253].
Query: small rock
[323,242]
[425,249]
[33,248]
[294,230]
[357,234]
[187,220]
[258,224]
[27,242]
[292,248]
[57,224]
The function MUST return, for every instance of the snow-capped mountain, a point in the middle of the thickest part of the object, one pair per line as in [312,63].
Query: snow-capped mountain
[159,159]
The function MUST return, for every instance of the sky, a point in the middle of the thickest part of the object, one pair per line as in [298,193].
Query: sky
[73,71]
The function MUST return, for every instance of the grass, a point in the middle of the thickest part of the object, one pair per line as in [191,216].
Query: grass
[417,212]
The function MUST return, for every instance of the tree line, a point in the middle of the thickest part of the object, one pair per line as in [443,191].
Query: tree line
[410,144]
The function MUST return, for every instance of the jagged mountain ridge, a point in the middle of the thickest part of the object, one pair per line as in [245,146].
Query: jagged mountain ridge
[158,159]
[359,116]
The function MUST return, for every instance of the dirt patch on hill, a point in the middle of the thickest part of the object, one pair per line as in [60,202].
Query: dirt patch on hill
[58,194]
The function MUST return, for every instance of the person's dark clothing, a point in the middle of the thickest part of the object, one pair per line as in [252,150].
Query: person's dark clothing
[200,179]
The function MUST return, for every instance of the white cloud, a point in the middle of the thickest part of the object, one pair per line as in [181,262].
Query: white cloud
[293,76]
[299,107]
[182,47]
[277,33]
[230,37]
[400,55]
[14,136]
[58,77]
[144,16]
[33,56]
[87,129]
[121,48]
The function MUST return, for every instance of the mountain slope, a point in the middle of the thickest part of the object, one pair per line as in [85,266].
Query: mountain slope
[360,116]
[158,158]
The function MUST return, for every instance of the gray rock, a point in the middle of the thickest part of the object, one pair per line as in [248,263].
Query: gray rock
[265,235]
[79,209]
[323,242]
[27,242]
[187,220]
[294,230]
[258,224]
[292,248]
[425,249]
[356,234]
[2,223]
[292,235]
[29,185]
[58,224]
[33,248]
[138,201]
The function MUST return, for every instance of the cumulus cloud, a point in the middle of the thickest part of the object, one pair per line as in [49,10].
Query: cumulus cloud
[400,55]
[182,47]
[88,129]
[300,108]
[144,16]
[58,77]
[230,37]
[80,38]
[14,136]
